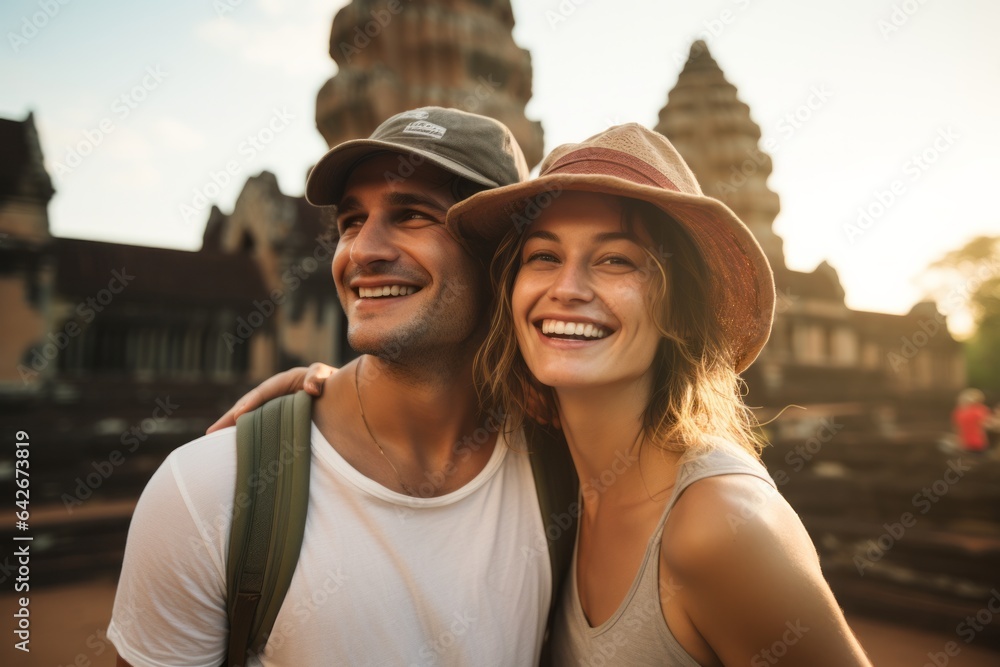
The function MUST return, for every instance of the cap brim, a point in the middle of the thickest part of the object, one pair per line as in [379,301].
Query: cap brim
[741,277]
[325,184]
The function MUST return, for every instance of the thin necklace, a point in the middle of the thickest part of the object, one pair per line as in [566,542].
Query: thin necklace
[357,387]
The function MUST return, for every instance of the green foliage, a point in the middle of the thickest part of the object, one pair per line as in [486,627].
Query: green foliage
[975,272]
[982,356]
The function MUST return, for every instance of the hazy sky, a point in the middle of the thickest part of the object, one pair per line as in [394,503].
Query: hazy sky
[904,95]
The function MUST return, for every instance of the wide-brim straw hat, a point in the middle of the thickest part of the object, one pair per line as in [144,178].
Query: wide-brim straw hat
[632,161]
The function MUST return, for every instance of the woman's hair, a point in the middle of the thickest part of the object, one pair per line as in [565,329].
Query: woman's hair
[696,391]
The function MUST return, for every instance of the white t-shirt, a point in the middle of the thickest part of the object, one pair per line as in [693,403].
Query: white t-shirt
[383,578]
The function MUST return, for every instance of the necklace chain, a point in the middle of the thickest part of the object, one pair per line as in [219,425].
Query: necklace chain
[357,387]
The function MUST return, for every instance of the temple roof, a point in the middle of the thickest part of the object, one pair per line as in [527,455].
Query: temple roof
[174,277]
[822,283]
[22,171]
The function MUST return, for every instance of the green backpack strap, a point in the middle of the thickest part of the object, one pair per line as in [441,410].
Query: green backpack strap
[269,517]
[558,490]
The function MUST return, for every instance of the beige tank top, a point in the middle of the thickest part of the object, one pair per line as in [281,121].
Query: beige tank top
[636,633]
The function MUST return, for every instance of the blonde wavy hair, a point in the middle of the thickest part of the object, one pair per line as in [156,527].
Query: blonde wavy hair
[696,391]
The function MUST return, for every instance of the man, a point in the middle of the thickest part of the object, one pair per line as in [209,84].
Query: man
[419,513]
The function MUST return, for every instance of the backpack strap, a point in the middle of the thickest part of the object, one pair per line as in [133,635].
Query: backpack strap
[269,517]
[558,490]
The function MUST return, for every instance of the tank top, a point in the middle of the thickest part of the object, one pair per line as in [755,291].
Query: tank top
[636,633]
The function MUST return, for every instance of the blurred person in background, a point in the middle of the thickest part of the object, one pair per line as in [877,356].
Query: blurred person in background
[970,419]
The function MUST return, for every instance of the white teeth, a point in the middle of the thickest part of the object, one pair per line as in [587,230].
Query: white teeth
[385,290]
[573,329]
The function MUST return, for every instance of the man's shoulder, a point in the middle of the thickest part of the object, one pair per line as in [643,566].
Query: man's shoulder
[214,451]
[202,472]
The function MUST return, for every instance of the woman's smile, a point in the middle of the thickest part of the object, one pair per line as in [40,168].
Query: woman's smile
[580,299]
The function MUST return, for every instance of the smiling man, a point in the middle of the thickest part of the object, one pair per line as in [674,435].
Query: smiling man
[419,514]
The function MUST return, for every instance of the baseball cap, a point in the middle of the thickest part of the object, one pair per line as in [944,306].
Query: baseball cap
[480,149]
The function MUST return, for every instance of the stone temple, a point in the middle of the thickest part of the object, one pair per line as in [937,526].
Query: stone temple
[89,362]
[267,303]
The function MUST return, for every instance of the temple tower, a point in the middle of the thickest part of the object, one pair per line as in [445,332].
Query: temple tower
[26,272]
[712,129]
[400,55]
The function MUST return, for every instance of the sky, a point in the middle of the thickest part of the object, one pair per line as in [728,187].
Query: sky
[882,114]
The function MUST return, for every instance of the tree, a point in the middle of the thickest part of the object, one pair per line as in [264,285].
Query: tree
[969,278]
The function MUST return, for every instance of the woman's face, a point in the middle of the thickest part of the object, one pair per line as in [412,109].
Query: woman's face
[580,298]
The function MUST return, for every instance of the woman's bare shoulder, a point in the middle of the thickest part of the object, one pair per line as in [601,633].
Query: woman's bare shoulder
[732,517]
[748,573]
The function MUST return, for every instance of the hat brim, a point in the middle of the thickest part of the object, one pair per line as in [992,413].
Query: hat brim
[742,283]
[325,184]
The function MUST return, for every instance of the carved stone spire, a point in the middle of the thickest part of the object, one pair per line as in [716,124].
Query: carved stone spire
[400,55]
[713,130]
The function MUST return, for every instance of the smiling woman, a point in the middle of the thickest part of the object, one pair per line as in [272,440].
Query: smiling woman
[629,302]
[579,252]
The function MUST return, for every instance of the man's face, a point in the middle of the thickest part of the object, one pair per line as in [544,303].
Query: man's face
[405,283]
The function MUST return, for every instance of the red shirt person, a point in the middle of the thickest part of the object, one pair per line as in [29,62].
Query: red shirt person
[969,417]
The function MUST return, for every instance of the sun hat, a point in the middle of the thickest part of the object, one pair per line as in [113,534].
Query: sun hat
[633,161]
[475,147]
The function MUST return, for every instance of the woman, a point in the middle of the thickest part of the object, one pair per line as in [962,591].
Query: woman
[627,304]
